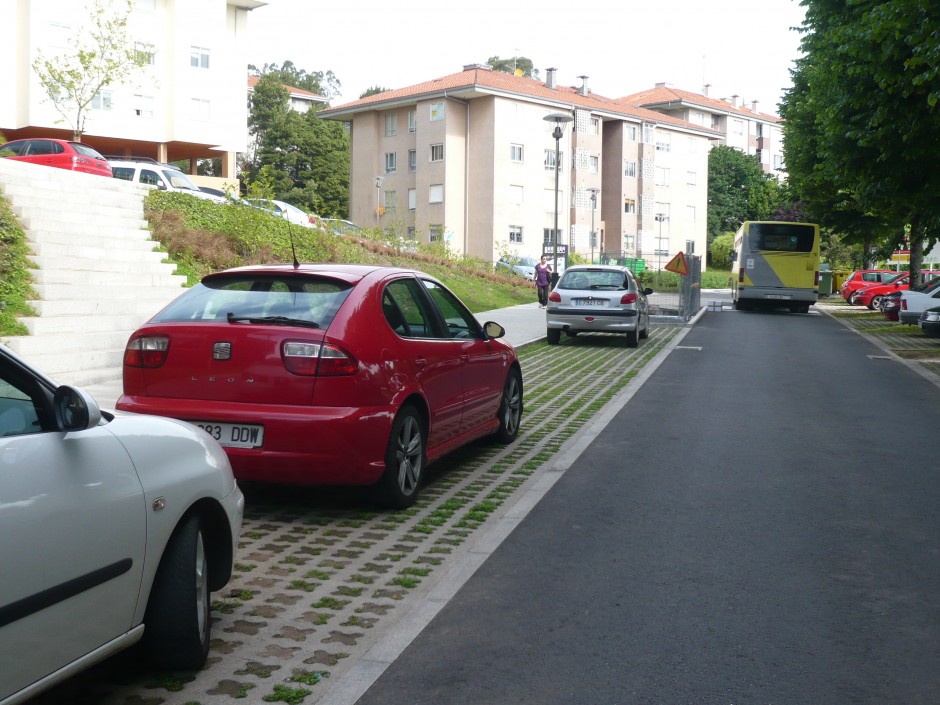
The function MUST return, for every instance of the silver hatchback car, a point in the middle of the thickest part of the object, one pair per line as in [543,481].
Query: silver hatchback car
[594,298]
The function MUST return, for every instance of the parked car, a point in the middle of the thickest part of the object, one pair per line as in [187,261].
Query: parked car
[292,214]
[113,530]
[62,154]
[598,299]
[915,300]
[327,374]
[870,296]
[891,305]
[165,177]
[864,277]
[522,266]
[929,322]
[339,226]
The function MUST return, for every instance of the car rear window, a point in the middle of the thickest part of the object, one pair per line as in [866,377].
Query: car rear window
[593,279]
[259,299]
[85,150]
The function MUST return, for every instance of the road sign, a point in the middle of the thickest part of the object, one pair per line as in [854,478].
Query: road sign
[677,264]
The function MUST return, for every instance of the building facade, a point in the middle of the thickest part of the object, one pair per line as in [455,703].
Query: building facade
[470,159]
[188,103]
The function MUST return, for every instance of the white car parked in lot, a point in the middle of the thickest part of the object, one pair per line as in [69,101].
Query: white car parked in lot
[915,301]
[165,177]
[113,530]
[281,209]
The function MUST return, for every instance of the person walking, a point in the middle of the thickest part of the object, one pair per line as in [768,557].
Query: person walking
[543,277]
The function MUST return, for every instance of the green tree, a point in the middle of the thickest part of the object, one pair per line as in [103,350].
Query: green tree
[514,64]
[861,119]
[720,250]
[322,83]
[374,90]
[99,54]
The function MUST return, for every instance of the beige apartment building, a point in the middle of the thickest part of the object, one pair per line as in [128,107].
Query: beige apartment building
[741,125]
[469,158]
[189,102]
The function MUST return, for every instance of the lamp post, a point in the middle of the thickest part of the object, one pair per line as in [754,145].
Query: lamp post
[660,217]
[378,185]
[559,119]
[593,208]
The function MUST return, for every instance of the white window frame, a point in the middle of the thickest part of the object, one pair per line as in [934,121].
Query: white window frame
[201,109]
[412,160]
[515,234]
[690,214]
[516,194]
[143,105]
[412,120]
[663,141]
[629,206]
[629,169]
[630,132]
[436,193]
[691,178]
[516,153]
[437,152]
[412,199]
[595,163]
[391,162]
[391,124]
[662,176]
[550,161]
[103,100]
[199,57]
[436,111]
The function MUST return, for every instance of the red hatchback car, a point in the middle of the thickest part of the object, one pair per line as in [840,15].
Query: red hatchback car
[865,277]
[872,295]
[327,374]
[61,154]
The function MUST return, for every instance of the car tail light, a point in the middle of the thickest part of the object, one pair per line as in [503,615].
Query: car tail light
[628,299]
[555,297]
[146,351]
[904,304]
[317,359]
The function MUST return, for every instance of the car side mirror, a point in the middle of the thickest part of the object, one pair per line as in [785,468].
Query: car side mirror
[492,329]
[732,255]
[647,291]
[75,409]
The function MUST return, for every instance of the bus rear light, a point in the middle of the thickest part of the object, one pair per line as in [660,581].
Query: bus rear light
[148,351]
[816,280]
[740,276]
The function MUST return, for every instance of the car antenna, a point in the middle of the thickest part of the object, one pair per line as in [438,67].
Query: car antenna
[290,232]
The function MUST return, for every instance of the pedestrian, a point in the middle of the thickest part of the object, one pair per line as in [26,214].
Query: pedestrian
[543,278]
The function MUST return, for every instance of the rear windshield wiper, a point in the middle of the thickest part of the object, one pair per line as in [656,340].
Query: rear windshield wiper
[272,320]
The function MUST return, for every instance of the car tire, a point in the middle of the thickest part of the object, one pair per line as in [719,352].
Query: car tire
[633,337]
[571,333]
[645,333]
[875,302]
[553,336]
[510,408]
[404,461]
[177,622]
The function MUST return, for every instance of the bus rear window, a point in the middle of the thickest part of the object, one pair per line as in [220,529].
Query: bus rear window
[782,237]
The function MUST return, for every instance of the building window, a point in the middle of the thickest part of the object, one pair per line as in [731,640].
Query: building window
[548,236]
[550,161]
[391,125]
[778,161]
[437,111]
[663,141]
[145,53]
[391,200]
[737,127]
[410,232]
[145,4]
[629,169]
[435,232]
[391,162]
[412,160]
[436,193]
[101,101]
[143,105]
[649,133]
[199,58]
[412,120]
[595,163]
[690,214]
[515,152]
[662,176]
[691,178]
[412,199]
[630,132]
[629,206]
[628,242]
[596,126]
[515,234]
[437,152]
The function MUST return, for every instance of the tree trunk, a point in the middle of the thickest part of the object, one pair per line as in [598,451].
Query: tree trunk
[917,251]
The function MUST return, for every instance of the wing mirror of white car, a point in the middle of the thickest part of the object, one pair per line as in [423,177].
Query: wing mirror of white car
[75,409]
[493,329]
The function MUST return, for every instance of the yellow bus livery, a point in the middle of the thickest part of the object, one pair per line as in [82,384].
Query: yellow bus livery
[775,264]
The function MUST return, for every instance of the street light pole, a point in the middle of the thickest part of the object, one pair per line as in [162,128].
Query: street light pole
[660,217]
[593,208]
[559,119]
[378,185]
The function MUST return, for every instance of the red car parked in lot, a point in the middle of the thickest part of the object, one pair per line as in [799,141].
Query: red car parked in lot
[61,154]
[871,296]
[327,374]
[865,277]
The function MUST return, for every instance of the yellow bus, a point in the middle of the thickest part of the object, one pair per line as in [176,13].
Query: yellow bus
[775,264]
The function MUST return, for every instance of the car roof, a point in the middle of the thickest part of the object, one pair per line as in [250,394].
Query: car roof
[347,272]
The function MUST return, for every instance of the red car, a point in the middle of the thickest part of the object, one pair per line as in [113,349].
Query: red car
[865,277]
[61,154]
[327,374]
[871,296]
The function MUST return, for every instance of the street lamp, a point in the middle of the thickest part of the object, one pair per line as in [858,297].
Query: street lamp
[660,217]
[378,185]
[593,208]
[559,119]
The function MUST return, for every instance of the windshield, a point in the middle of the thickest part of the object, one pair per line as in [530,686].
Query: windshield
[178,179]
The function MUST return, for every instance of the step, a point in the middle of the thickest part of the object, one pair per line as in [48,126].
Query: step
[71,235]
[80,222]
[144,305]
[70,365]
[131,280]
[27,197]
[59,292]
[137,266]
[35,347]
[56,325]
[122,254]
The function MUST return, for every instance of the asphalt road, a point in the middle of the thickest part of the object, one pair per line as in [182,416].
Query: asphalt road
[759,525]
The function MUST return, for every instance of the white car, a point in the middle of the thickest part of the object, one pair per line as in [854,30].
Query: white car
[113,530]
[281,209]
[915,301]
[165,177]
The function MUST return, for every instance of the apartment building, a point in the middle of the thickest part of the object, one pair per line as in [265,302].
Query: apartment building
[188,103]
[469,158]
[741,126]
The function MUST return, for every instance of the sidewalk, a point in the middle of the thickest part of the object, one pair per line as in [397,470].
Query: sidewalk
[524,324]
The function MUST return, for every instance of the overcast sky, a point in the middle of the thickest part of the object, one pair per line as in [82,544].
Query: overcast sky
[743,47]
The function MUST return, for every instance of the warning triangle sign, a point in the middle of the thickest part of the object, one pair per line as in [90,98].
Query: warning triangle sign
[677,264]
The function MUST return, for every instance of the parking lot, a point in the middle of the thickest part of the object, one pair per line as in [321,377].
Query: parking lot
[327,590]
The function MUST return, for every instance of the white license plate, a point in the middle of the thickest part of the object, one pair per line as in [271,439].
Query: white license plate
[589,302]
[230,435]
[785,297]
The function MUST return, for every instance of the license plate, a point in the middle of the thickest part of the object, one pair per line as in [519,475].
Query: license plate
[230,435]
[589,302]
[779,296]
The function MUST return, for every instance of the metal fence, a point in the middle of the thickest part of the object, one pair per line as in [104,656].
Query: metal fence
[679,307]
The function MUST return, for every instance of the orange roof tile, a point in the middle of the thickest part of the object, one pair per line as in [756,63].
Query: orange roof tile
[667,94]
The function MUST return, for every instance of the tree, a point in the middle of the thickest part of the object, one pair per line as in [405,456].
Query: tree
[513,65]
[862,118]
[374,90]
[98,55]
[322,83]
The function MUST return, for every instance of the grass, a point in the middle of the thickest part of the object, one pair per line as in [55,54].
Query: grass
[15,280]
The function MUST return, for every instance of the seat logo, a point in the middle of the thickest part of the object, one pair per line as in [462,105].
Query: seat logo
[221,351]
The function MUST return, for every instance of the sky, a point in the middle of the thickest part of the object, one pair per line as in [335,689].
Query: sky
[742,47]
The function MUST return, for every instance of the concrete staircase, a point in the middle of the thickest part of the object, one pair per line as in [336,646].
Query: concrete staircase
[97,274]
